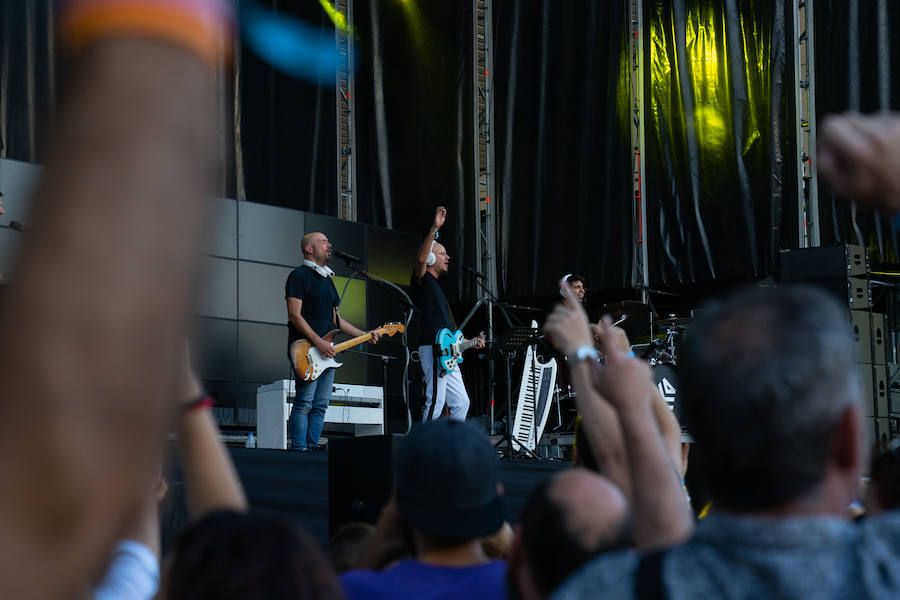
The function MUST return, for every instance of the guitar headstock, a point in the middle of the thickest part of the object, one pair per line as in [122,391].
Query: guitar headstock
[390,329]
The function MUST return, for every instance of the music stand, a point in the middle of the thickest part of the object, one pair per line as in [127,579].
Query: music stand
[514,340]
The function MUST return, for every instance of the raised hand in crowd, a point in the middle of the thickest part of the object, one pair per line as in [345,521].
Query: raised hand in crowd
[860,156]
[133,572]
[90,331]
[617,402]
[209,473]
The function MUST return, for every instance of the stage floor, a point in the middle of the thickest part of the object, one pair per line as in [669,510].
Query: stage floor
[295,484]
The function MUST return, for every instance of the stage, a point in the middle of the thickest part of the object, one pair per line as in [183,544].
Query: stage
[295,485]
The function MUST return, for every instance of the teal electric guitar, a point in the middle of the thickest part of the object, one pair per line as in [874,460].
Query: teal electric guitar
[452,345]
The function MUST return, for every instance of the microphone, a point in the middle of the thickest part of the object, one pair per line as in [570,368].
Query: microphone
[17,226]
[474,272]
[345,256]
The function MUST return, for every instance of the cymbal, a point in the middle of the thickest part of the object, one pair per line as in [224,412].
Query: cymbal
[672,322]
[632,310]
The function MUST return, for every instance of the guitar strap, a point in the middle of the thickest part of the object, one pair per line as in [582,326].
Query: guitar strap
[435,373]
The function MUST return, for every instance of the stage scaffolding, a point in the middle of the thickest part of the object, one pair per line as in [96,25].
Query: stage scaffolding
[344,105]
[483,155]
[805,124]
[640,270]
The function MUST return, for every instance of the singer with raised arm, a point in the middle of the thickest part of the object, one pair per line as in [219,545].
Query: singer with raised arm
[313,317]
[440,342]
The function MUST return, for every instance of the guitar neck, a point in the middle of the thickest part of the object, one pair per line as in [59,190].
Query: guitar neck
[352,342]
[466,345]
[355,341]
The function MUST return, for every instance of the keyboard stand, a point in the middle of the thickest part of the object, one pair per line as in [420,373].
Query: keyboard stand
[513,341]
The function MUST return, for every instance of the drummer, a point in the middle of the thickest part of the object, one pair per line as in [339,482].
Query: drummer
[576,282]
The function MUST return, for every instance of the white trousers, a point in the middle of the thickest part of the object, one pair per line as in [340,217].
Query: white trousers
[450,389]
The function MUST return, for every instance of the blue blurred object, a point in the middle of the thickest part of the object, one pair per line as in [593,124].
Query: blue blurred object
[288,44]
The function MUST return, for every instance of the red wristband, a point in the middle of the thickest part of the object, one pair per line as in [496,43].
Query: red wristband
[199,403]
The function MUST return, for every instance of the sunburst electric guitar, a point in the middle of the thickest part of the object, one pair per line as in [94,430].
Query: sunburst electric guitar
[310,363]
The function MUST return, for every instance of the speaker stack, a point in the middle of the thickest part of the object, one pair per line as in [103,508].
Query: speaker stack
[844,272]
[360,478]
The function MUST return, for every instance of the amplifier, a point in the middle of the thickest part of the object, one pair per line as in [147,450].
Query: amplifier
[873,380]
[869,336]
[839,270]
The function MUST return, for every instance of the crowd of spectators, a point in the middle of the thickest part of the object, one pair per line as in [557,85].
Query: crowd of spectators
[94,374]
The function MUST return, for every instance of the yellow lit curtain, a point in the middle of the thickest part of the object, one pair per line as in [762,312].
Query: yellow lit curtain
[719,178]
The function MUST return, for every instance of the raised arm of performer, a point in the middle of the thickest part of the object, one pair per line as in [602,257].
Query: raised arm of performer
[441,261]
[440,215]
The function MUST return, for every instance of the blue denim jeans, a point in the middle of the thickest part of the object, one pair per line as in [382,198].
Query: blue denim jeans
[308,410]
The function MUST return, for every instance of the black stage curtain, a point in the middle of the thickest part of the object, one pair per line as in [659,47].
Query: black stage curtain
[29,76]
[414,123]
[720,155]
[288,128]
[856,50]
[562,144]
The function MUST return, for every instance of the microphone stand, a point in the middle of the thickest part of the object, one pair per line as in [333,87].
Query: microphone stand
[407,310]
[489,301]
[385,358]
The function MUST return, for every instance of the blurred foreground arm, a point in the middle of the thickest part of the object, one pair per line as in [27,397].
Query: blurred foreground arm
[662,513]
[860,156]
[209,473]
[90,334]
[624,389]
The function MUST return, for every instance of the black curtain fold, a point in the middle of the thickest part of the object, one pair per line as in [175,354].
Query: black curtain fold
[30,75]
[562,144]
[424,50]
[857,56]
[719,167]
[288,128]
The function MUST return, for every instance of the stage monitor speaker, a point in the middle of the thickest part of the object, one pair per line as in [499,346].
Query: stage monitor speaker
[873,382]
[360,477]
[840,270]
[869,336]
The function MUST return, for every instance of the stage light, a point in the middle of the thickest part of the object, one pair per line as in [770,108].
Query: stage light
[419,33]
[337,17]
[289,44]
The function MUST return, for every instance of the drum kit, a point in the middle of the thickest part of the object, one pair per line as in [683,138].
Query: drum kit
[661,352]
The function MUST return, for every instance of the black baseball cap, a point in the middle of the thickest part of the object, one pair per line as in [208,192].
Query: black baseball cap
[447,479]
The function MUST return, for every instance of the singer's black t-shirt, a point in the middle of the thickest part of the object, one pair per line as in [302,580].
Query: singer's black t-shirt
[433,308]
[319,298]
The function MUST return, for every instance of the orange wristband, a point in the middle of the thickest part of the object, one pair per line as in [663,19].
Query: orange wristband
[203,32]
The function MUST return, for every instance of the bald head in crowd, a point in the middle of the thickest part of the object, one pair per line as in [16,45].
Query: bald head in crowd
[568,519]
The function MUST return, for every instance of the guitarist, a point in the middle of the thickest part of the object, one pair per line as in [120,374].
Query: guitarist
[312,307]
[432,261]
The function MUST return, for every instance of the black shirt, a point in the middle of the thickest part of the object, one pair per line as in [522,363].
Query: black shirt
[433,308]
[319,298]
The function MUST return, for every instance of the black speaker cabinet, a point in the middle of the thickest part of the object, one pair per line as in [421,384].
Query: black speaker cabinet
[840,270]
[360,477]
